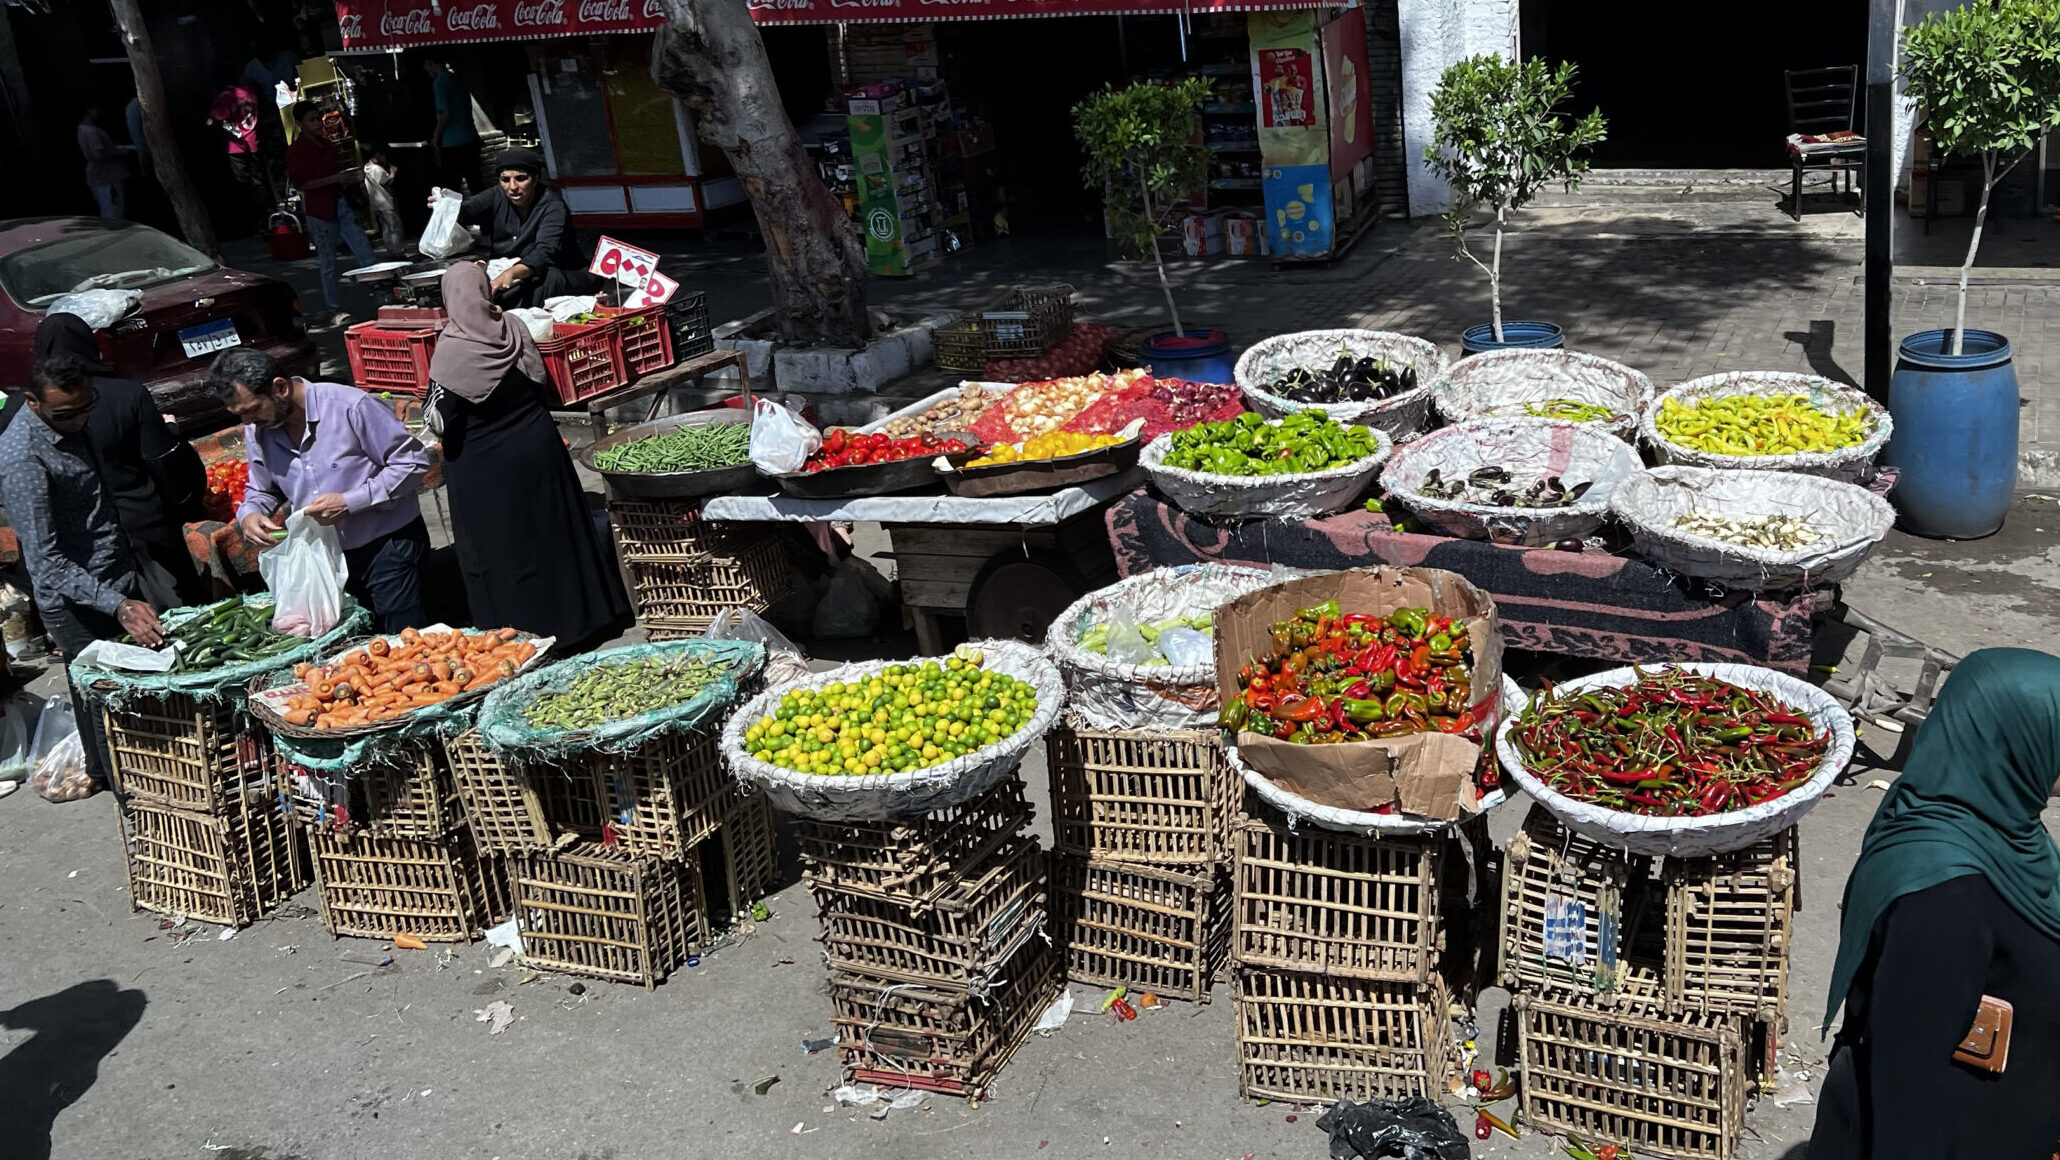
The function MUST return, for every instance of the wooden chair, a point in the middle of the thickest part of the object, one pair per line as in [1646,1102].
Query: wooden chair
[1823,102]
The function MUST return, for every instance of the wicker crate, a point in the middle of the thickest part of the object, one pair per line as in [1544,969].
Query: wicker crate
[935,1039]
[676,601]
[1729,921]
[1579,916]
[1163,799]
[740,865]
[1657,1084]
[1312,1039]
[962,942]
[911,861]
[602,911]
[439,890]
[231,868]
[399,797]
[1027,321]
[667,796]
[959,345]
[185,753]
[673,532]
[1336,904]
[1121,924]
[513,807]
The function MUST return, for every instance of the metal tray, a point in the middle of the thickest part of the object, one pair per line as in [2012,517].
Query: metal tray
[873,478]
[1044,474]
[673,484]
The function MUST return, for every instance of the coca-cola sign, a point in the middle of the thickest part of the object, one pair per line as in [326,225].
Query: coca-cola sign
[412,22]
[351,26]
[478,18]
[603,11]
[541,14]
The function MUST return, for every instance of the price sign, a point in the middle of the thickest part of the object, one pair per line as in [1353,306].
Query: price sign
[623,262]
[657,291]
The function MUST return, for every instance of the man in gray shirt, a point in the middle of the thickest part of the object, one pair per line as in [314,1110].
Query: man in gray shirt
[91,583]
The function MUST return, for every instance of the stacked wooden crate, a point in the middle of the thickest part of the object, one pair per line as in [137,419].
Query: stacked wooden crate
[204,833]
[934,931]
[681,570]
[1141,866]
[1649,991]
[1338,945]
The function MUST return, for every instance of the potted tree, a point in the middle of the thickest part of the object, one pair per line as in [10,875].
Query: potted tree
[1499,139]
[1144,152]
[1987,79]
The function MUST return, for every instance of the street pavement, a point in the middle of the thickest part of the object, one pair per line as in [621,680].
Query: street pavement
[121,1038]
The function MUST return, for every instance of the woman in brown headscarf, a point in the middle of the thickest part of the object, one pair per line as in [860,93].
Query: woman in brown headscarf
[525,535]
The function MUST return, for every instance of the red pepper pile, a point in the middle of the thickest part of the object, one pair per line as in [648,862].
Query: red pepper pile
[1335,676]
[226,480]
[1672,745]
[843,448]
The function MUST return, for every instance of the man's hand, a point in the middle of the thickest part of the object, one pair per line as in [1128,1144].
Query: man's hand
[257,529]
[327,509]
[140,621]
[505,278]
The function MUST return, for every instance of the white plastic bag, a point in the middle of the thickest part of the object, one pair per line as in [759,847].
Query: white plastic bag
[58,756]
[306,573]
[781,441]
[567,307]
[445,236]
[784,660]
[1185,647]
[1127,645]
[99,309]
[17,716]
[538,320]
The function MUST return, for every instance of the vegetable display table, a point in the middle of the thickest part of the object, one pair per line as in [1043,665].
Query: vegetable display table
[1586,604]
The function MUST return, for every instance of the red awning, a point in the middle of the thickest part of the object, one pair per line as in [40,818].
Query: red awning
[377,25]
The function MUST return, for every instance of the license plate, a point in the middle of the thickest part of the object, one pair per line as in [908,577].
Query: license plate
[209,337]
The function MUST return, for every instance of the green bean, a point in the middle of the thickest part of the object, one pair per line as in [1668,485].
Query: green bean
[616,692]
[682,449]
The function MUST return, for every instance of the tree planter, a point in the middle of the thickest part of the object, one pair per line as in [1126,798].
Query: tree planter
[1955,437]
[1197,355]
[1515,336]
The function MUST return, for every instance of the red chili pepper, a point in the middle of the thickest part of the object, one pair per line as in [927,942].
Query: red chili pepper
[1714,797]
[1481,1130]
[1306,709]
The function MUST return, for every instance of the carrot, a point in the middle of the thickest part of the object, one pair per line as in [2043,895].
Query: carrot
[447,688]
[410,635]
[377,647]
[299,716]
[505,634]
[355,658]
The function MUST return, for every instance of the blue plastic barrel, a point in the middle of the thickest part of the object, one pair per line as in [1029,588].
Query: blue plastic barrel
[1199,356]
[1515,335]
[1955,433]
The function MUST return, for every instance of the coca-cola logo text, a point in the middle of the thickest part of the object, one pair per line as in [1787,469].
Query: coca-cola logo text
[414,22]
[351,25]
[591,11]
[540,13]
[478,18]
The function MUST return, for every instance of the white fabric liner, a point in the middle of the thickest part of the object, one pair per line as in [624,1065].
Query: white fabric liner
[1695,837]
[1853,464]
[1400,415]
[1576,452]
[879,796]
[1108,694]
[1028,510]
[1500,383]
[1282,497]
[1849,518]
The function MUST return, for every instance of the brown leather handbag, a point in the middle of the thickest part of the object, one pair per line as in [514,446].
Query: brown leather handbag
[1986,1045]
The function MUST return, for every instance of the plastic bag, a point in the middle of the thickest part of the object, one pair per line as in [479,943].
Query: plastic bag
[781,441]
[1127,645]
[445,236]
[567,307]
[848,608]
[784,660]
[58,756]
[541,325]
[306,573]
[1414,1129]
[17,714]
[99,309]
[1186,648]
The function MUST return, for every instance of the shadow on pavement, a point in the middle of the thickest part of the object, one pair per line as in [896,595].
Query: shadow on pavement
[74,1030]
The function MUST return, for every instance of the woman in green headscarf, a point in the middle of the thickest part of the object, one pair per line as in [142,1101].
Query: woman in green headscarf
[1956,895]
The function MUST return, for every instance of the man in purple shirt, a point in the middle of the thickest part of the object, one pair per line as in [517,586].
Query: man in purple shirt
[341,455]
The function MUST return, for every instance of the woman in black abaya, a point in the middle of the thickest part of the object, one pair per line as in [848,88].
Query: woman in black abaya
[525,537]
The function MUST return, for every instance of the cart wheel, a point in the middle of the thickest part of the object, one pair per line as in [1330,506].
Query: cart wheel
[1016,597]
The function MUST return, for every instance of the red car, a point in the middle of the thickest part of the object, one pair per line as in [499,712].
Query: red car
[192,307]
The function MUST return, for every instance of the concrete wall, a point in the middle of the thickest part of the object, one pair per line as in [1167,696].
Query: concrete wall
[1384,74]
[1434,34]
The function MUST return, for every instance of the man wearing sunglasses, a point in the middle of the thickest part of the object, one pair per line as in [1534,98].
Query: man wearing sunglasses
[91,581]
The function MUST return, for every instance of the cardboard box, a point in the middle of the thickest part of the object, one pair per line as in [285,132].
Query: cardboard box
[1427,774]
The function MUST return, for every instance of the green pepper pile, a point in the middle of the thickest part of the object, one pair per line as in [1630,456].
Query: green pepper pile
[683,449]
[1248,445]
[607,693]
[229,633]
[1337,676]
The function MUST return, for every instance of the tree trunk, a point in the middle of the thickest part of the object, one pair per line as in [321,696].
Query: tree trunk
[1988,185]
[165,156]
[1495,278]
[709,55]
[1159,258]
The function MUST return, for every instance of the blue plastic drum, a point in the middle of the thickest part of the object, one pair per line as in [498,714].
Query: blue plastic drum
[1199,356]
[1955,436]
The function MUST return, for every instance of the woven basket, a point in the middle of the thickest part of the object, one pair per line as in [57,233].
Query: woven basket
[1401,415]
[1851,519]
[1300,809]
[1853,464]
[878,796]
[1501,383]
[1695,837]
[1576,452]
[1107,694]
[1280,497]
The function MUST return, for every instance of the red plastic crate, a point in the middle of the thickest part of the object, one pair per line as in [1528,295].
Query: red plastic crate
[583,359]
[383,359]
[646,339]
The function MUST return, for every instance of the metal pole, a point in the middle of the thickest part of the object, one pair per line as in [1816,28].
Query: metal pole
[1882,31]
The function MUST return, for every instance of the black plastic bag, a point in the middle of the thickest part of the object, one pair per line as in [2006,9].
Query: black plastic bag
[1414,1129]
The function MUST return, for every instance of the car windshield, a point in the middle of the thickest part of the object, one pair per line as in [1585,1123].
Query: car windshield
[124,259]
